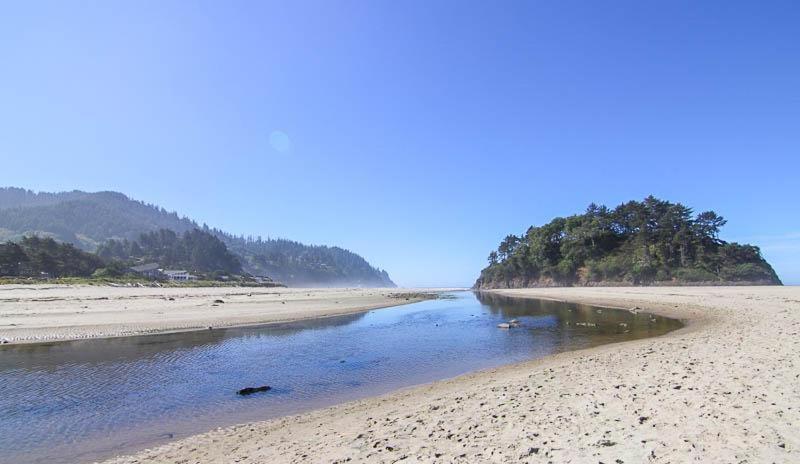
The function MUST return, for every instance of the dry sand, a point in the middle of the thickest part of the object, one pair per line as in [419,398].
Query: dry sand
[30,314]
[726,388]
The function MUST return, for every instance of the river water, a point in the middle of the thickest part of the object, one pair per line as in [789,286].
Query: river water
[86,400]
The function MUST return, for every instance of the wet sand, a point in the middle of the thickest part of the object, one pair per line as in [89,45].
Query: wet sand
[725,388]
[40,313]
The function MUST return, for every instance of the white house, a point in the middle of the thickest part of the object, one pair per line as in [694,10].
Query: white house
[178,275]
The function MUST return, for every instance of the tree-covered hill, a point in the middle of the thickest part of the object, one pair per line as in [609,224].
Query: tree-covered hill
[83,219]
[13,197]
[637,243]
[299,264]
[195,250]
[90,219]
[34,256]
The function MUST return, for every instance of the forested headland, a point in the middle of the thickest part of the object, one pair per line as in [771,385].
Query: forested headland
[194,250]
[650,242]
[198,252]
[107,222]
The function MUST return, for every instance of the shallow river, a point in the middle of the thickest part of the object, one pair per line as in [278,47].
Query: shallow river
[86,400]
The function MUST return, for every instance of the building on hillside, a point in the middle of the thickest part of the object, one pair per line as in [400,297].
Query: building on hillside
[262,279]
[178,275]
[151,271]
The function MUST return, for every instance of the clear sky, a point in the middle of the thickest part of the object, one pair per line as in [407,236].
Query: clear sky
[416,133]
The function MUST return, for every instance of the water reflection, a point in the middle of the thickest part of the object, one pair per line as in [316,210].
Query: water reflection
[85,400]
[53,355]
[600,321]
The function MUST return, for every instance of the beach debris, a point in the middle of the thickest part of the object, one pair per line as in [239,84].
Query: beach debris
[218,301]
[171,299]
[635,309]
[251,390]
[4,341]
[586,324]
[508,325]
[530,452]
[623,324]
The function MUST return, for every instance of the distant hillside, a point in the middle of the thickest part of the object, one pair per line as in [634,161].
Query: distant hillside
[90,219]
[653,242]
[196,251]
[33,256]
[288,261]
[84,219]
[12,197]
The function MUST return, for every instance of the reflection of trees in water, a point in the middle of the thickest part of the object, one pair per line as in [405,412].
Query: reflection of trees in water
[52,355]
[510,307]
[605,320]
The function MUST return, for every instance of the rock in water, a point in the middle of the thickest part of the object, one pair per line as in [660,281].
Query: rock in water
[251,390]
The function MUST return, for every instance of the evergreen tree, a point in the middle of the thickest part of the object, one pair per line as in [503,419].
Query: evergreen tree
[636,242]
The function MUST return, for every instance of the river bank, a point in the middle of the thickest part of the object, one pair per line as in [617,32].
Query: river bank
[722,389]
[46,313]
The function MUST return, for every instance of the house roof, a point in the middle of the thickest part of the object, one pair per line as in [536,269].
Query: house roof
[145,267]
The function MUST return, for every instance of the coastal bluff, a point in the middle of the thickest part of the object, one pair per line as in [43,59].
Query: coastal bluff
[639,243]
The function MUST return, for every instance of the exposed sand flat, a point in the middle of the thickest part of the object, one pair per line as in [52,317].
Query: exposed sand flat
[724,389]
[45,313]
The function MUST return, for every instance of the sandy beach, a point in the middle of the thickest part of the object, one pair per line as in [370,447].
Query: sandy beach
[41,313]
[726,388]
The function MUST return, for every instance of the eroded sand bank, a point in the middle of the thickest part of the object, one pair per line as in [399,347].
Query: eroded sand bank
[726,388]
[30,314]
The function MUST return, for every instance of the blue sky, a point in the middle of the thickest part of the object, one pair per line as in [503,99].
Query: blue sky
[417,133]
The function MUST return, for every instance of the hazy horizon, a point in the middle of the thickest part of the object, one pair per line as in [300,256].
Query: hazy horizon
[417,135]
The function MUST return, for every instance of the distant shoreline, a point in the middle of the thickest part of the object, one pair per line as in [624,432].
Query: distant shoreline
[53,313]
